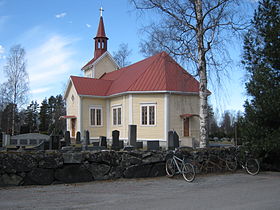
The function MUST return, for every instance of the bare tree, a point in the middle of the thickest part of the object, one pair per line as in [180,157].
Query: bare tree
[193,30]
[121,56]
[17,86]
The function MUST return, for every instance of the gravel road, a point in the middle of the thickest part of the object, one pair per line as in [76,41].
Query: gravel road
[215,191]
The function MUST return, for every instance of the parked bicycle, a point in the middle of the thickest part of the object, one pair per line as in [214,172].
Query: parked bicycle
[176,165]
[251,165]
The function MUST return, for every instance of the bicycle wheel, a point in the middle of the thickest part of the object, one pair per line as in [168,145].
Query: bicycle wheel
[170,168]
[188,172]
[231,163]
[252,166]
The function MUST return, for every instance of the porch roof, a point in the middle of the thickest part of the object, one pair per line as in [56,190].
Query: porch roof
[188,115]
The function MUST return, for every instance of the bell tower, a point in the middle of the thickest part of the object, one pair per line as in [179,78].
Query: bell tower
[102,62]
[100,39]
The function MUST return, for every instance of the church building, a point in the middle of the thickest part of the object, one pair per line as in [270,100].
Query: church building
[156,94]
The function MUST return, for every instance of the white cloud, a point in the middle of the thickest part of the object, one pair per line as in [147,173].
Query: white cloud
[61,15]
[49,60]
[40,90]
[49,63]
[2,51]
[88,25]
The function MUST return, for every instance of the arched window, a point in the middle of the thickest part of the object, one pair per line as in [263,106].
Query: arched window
[98,45]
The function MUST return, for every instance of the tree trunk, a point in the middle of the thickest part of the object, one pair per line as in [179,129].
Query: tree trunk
[203,113]
[13,119]
[203,110]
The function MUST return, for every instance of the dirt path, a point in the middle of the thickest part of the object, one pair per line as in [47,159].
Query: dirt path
[229,191]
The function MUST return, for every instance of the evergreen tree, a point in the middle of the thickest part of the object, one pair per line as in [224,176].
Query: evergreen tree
[227,124]
[31,117]
[51,108]
[213,124]
[7,118]
[261,123]
[43,117]
[56,110]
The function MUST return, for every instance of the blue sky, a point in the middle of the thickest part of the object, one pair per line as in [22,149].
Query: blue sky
[58,38]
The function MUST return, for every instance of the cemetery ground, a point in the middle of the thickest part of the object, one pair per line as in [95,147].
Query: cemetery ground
[214,191]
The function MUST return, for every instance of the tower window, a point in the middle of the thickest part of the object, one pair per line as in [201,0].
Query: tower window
[103,44]
[98,45]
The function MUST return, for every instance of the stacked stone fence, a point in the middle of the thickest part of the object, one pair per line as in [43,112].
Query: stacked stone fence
[58,167]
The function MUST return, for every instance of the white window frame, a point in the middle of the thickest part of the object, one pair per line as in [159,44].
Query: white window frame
[148,115]
[116,107]
[96,107]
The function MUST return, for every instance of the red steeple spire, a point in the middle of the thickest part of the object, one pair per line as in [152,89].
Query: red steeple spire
[100,39]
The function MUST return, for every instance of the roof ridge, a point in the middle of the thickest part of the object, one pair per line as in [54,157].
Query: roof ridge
[91,78]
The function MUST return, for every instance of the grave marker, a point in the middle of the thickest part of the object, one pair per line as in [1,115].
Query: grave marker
[115,140]
[132,135]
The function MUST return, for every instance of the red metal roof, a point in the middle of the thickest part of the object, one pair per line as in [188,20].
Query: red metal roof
[157,73]
[91,86]
[67,117]
[101,29]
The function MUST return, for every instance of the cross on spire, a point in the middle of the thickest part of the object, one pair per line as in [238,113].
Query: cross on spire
[101,10]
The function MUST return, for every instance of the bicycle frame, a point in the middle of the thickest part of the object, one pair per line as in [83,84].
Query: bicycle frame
[176,165]
[242,160]
[176,159]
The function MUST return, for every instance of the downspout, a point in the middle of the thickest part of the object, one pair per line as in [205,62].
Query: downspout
[80,114]
[166,117]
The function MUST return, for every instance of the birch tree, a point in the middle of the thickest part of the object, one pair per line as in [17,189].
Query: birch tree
[17,86]
[193,30]
[122,55]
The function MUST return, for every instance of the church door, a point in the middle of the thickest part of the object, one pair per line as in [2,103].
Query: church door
[73,127]
[186,127]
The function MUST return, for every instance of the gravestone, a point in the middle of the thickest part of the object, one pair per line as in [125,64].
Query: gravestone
[46,145]
[115,140]
[67,138]
[170,142]
[121,144]
[62,144]
[1,139]
[50,143]
[176,139]
[173,140]
[152,145]
[87,142]
[128,148]
[54,143]
[78,138]
[95,143]
[139,145]
[102,141]
[132,135]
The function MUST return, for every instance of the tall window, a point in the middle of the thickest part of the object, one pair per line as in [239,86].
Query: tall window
[117,115]
[148,114]
[95,116]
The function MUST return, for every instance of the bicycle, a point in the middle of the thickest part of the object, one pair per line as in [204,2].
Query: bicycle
[176,165]
[251,165]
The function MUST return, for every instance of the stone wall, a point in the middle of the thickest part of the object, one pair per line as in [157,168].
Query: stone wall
[57,167]
[54,167]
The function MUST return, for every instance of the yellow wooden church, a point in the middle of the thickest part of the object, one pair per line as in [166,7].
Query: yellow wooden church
[156,94]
